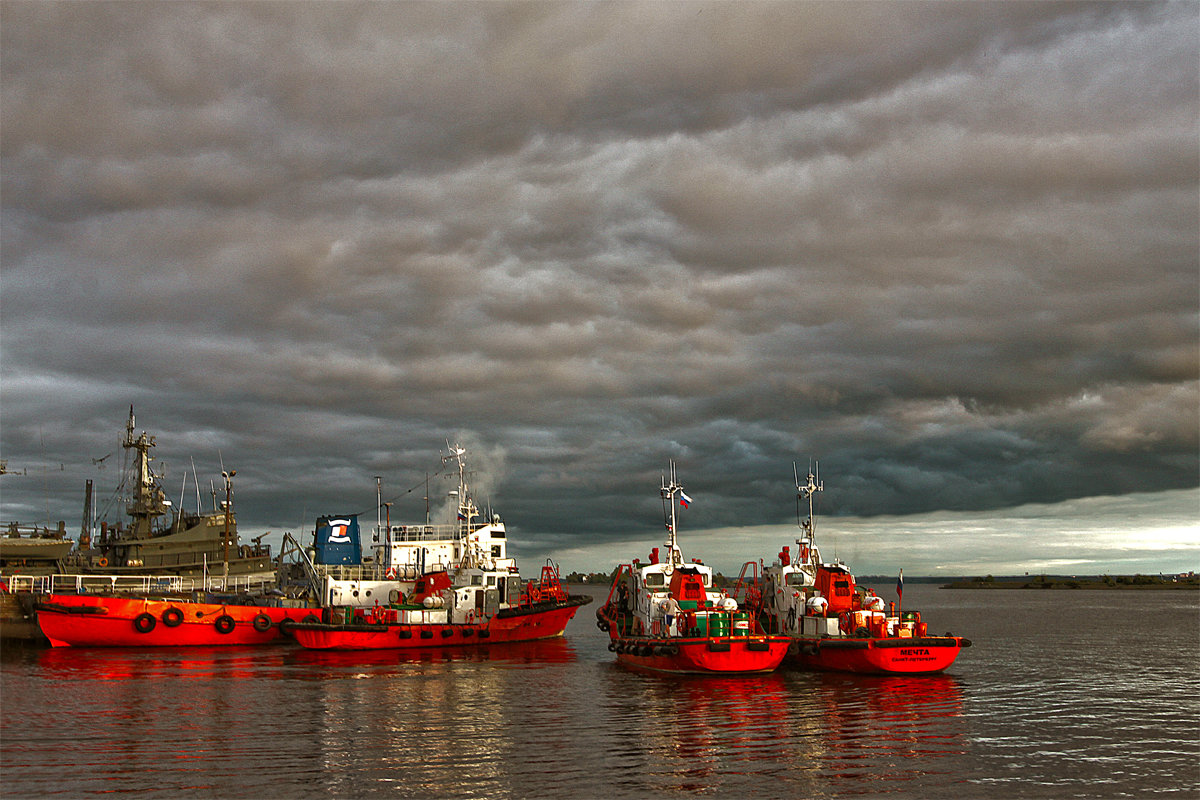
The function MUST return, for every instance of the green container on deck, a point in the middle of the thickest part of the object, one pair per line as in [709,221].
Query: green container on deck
[687,605]
[718,625]
[741,624]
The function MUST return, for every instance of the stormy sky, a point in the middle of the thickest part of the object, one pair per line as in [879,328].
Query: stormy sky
[948,250]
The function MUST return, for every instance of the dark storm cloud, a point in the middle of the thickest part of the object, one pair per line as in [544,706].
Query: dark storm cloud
[949,249]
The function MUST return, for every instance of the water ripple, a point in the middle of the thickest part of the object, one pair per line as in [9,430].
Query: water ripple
[1104,707]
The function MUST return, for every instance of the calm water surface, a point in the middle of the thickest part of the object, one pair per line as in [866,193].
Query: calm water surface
[1065,694]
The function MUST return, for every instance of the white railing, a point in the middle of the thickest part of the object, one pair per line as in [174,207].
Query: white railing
[435,533]
[426,533]
[137,584]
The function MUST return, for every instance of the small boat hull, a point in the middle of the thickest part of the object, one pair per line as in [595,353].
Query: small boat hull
[90,621]
[544,621]
[878,656]
[706,656]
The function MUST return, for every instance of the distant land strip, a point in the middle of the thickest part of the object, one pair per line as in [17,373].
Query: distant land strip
[1185,581]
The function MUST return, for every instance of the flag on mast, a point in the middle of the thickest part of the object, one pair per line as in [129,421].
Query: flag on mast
[684,500]
[900,586]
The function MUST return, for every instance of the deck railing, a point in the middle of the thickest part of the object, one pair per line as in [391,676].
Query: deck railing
[137,584]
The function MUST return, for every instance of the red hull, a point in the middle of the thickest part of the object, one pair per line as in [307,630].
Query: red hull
[878,656]
[738,655]
[521,627]
[89,621]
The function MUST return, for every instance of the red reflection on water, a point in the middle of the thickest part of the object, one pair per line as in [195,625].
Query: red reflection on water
[543,651]
[911,696]
[177,663]
[884,720]
[272,662]
[698,722]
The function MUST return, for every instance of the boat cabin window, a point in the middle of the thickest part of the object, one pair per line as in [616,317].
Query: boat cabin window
[795,579]
[491,580]
[841,588]
[655,579]
[476,580]
[496,549]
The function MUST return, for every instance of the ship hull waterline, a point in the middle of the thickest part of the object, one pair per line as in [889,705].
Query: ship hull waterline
[703,655]
[84,621]
[519,626]
[919,656]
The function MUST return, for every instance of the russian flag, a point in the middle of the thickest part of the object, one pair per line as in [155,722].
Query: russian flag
[684,500]
[900,586]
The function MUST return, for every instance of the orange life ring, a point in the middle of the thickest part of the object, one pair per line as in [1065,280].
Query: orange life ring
[102,561]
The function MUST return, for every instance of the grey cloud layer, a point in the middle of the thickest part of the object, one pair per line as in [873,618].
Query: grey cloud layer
[950,249]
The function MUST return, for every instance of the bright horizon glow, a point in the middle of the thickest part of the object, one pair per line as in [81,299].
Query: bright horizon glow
[1144,533]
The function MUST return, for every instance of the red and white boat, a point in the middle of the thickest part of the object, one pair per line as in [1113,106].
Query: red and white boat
[449,610]
[432,585]
[836,625]
[667,617]
[81,620]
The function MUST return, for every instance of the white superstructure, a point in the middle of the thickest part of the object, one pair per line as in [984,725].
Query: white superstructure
[473,552]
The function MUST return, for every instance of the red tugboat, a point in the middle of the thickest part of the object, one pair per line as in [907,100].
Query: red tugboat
[446,610]
[82,620]
[838,626]
[137,610]
[665,616]
[441,585]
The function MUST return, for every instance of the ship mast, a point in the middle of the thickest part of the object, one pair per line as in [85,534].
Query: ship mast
[466,509]
[228,476]
[806,492]
[148,500]
[668,492]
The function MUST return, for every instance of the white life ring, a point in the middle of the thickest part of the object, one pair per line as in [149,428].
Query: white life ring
[391,573]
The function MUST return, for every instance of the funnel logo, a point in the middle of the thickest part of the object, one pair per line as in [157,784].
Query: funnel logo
[339,531]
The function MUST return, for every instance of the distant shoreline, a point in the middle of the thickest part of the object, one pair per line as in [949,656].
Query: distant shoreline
[1108,582]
